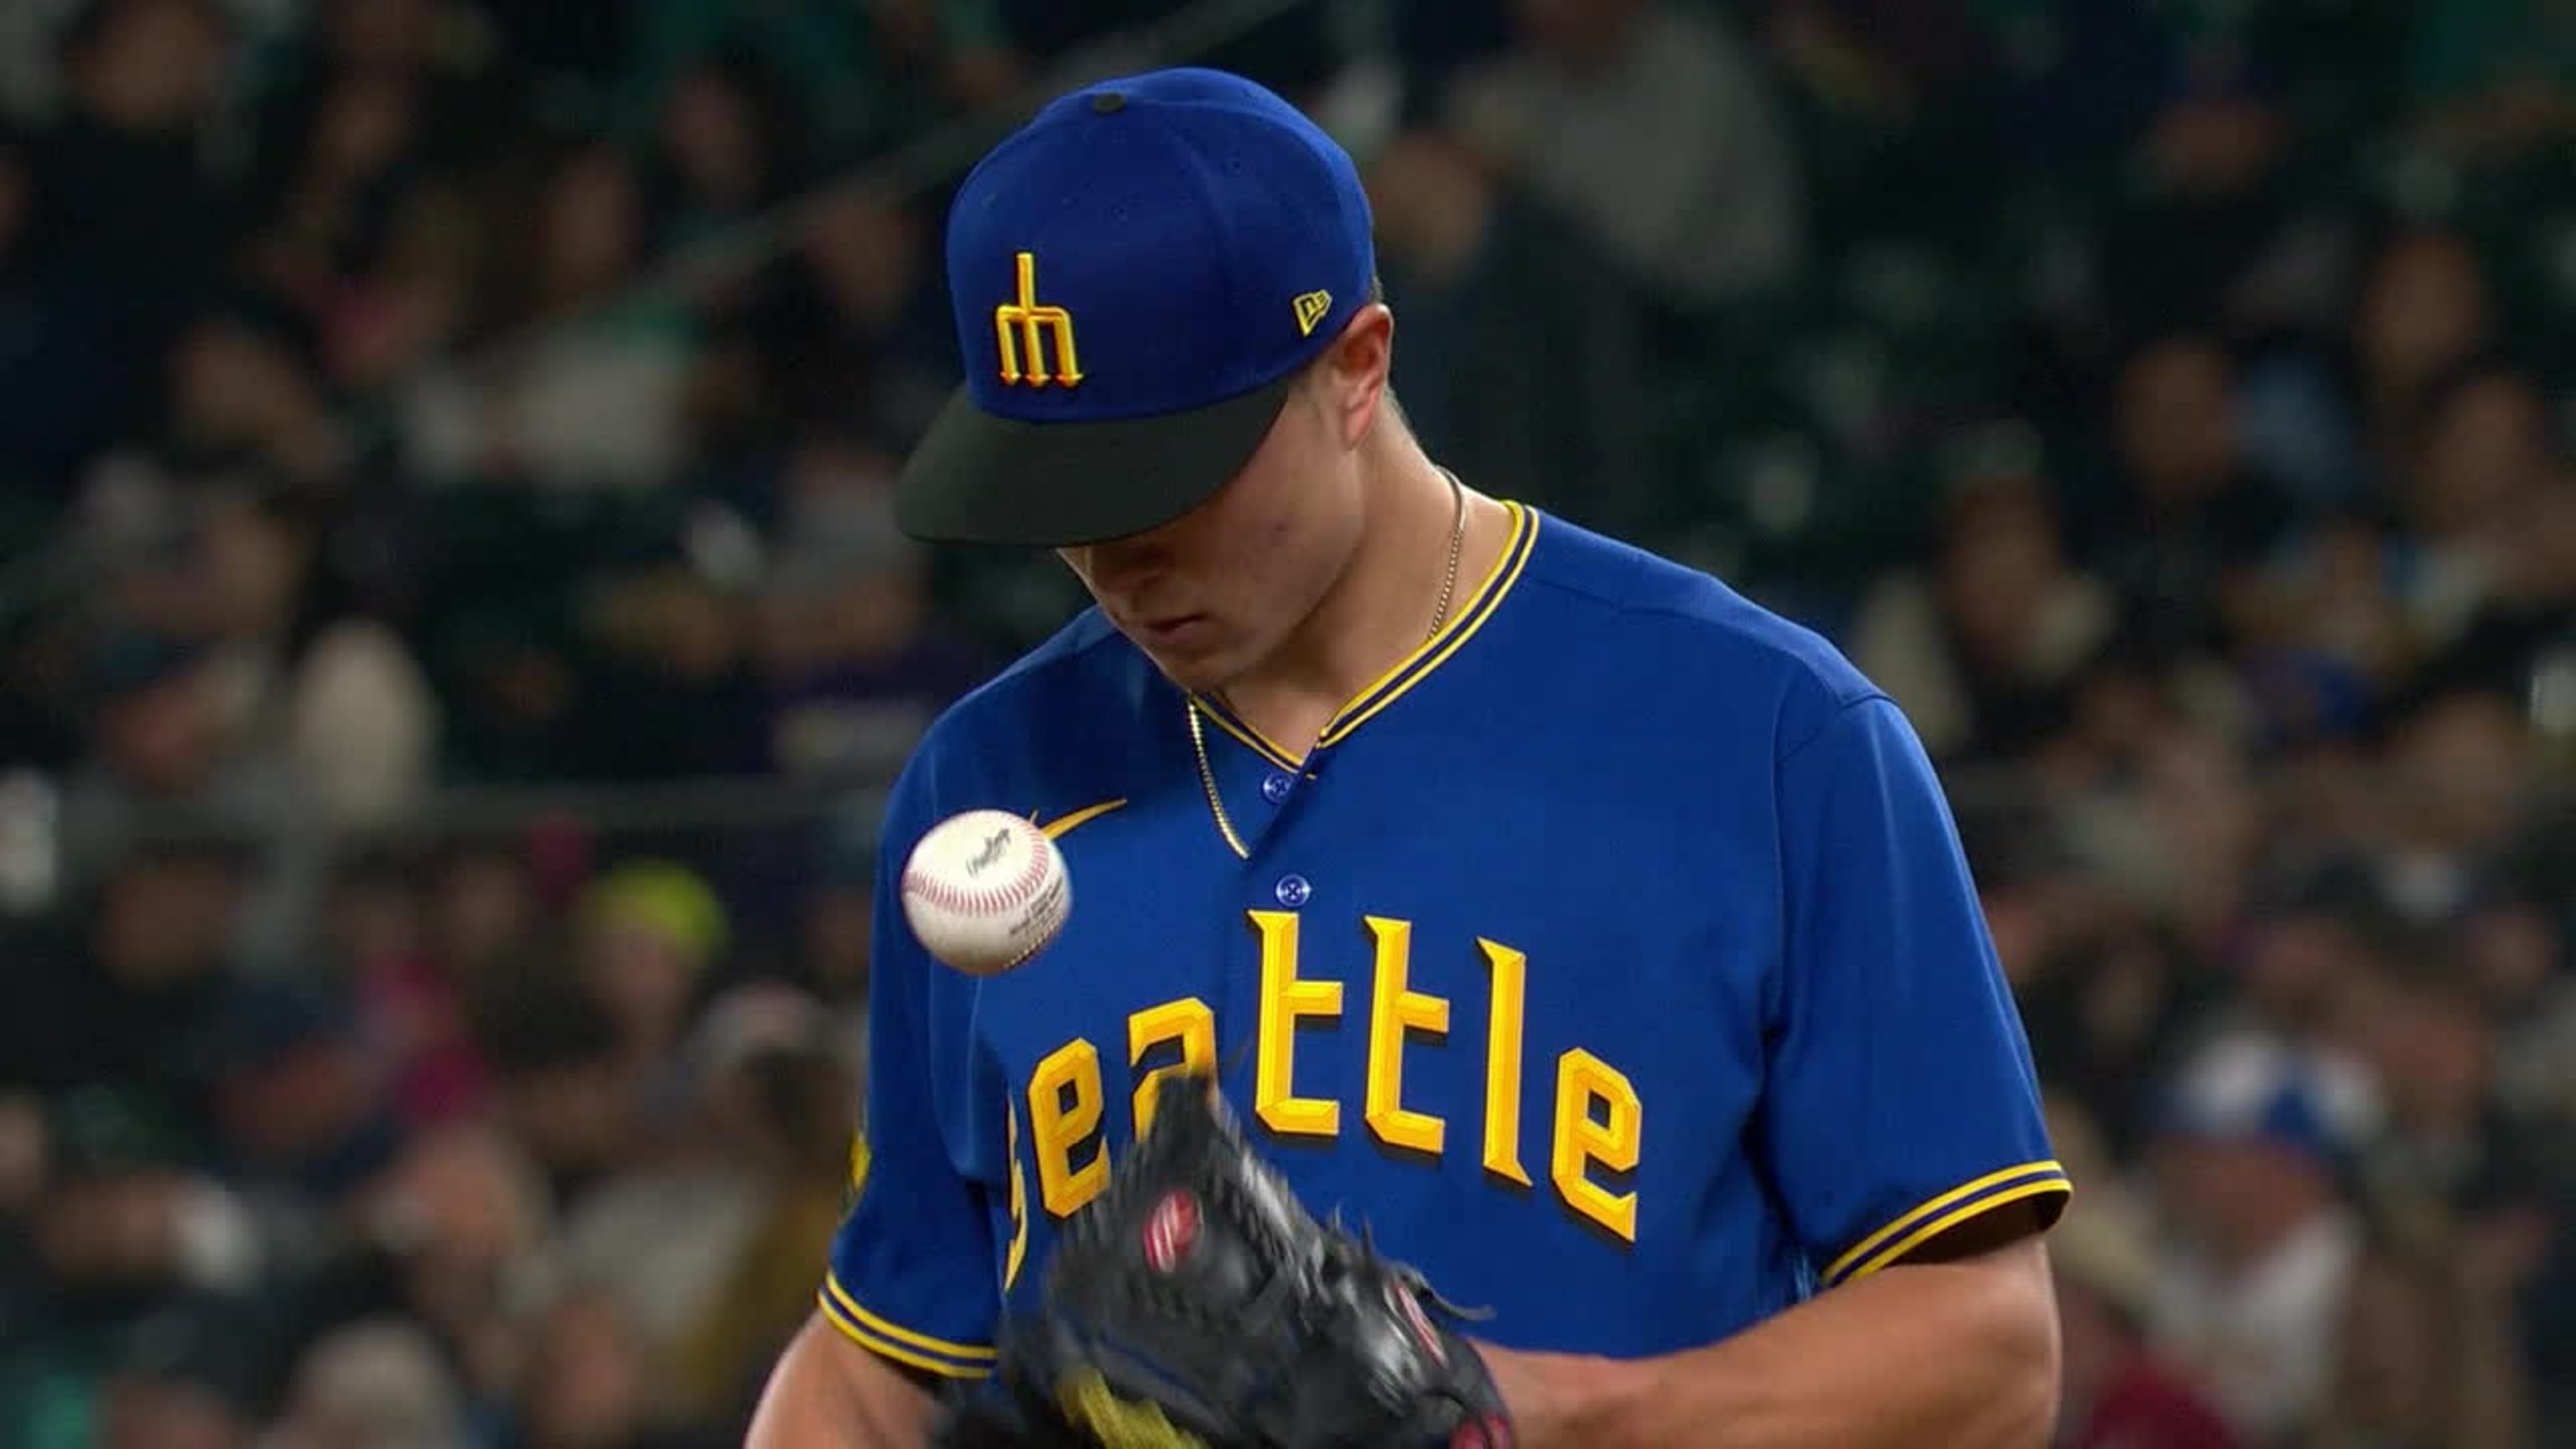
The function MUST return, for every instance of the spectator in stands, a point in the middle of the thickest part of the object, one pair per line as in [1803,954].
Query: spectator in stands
[2425,310]
[2457,764]
[1525,361]
[483,913]
[340,691]
[856,324]
[670,686]
[452,1237]
[412,1012]
[376,1384]
[727,146]
[2251,1292]
[2334,410]
[2311,939]
[590,1382]
[857,661]
[184,1380]
[2107,1004]
[1712,211]
[2484,459]
[299,1103]
[2119,1393]
[593,402]
[705,1250]
[127,202]
[564,1083]
[1895,65]
[2429,1359]
[649,935]
[359,98]
[2212,212]
[2191,521]
[2493,78]
[1981,648]
[867,75]
[65,380]
[343,174]
[2453,1151]
[2516,951]
[119,997]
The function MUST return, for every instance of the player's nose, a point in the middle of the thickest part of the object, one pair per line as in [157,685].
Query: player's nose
[1126,566]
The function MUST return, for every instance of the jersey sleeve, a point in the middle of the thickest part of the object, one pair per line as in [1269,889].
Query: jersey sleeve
[1901,1100]
[912,1275]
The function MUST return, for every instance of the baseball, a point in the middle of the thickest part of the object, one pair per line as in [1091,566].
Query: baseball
[985,891]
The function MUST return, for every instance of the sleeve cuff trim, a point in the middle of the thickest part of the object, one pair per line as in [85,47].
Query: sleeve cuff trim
[903,1345]
[1940,1214]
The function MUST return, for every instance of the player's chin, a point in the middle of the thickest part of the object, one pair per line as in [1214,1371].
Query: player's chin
[1197,657]
[1197,676]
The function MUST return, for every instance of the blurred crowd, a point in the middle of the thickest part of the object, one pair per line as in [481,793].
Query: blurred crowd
[414,402]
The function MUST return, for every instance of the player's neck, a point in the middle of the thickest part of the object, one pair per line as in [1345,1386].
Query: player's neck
[1381,609]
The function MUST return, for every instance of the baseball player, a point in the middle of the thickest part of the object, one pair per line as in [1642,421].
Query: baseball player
[1599,939]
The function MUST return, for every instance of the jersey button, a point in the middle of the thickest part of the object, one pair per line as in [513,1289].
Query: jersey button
[1276,788]
[1292,891]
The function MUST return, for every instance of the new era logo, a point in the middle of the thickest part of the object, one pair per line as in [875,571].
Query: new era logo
[1311,307]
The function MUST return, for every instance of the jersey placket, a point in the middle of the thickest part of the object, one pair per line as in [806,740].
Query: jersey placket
[1256,783]
[1257,780]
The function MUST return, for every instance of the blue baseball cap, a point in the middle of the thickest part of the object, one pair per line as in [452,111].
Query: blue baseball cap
[1139,274]
[2247,1085]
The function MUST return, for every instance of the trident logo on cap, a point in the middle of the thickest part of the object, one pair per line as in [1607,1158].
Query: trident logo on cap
[1024,325]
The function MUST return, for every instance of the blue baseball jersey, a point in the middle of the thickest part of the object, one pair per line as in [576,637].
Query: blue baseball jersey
[1613,958]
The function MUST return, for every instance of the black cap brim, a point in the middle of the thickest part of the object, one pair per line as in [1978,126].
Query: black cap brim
[979,478]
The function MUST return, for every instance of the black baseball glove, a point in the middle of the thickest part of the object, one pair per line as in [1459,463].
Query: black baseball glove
[1195,1304]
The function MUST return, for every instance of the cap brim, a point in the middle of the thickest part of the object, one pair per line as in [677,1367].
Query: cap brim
[980,478]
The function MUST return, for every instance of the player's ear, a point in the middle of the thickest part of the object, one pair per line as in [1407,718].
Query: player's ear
[1351,376]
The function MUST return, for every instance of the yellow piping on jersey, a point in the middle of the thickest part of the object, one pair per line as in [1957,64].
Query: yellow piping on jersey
[1436,650]
[1056,829]
[2051,1173]
[878,1327]
[833,1314]
[1019,1196]
[1926,1233]
[1252,739]
[1414,667]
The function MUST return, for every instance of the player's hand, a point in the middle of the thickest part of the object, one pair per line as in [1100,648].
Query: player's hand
[1197,1302]
[1553,1398]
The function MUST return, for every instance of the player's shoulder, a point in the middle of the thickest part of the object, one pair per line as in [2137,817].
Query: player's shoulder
[1665,628]
[1086,672]
[1078,663]
[1061,699]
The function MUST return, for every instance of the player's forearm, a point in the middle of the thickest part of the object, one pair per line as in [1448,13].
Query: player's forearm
[1959,1354]
[828,1393]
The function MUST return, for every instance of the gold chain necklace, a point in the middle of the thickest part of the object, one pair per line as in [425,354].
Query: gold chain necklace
[1439,617]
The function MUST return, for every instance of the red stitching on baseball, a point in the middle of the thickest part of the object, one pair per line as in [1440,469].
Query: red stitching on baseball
[1011,894]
